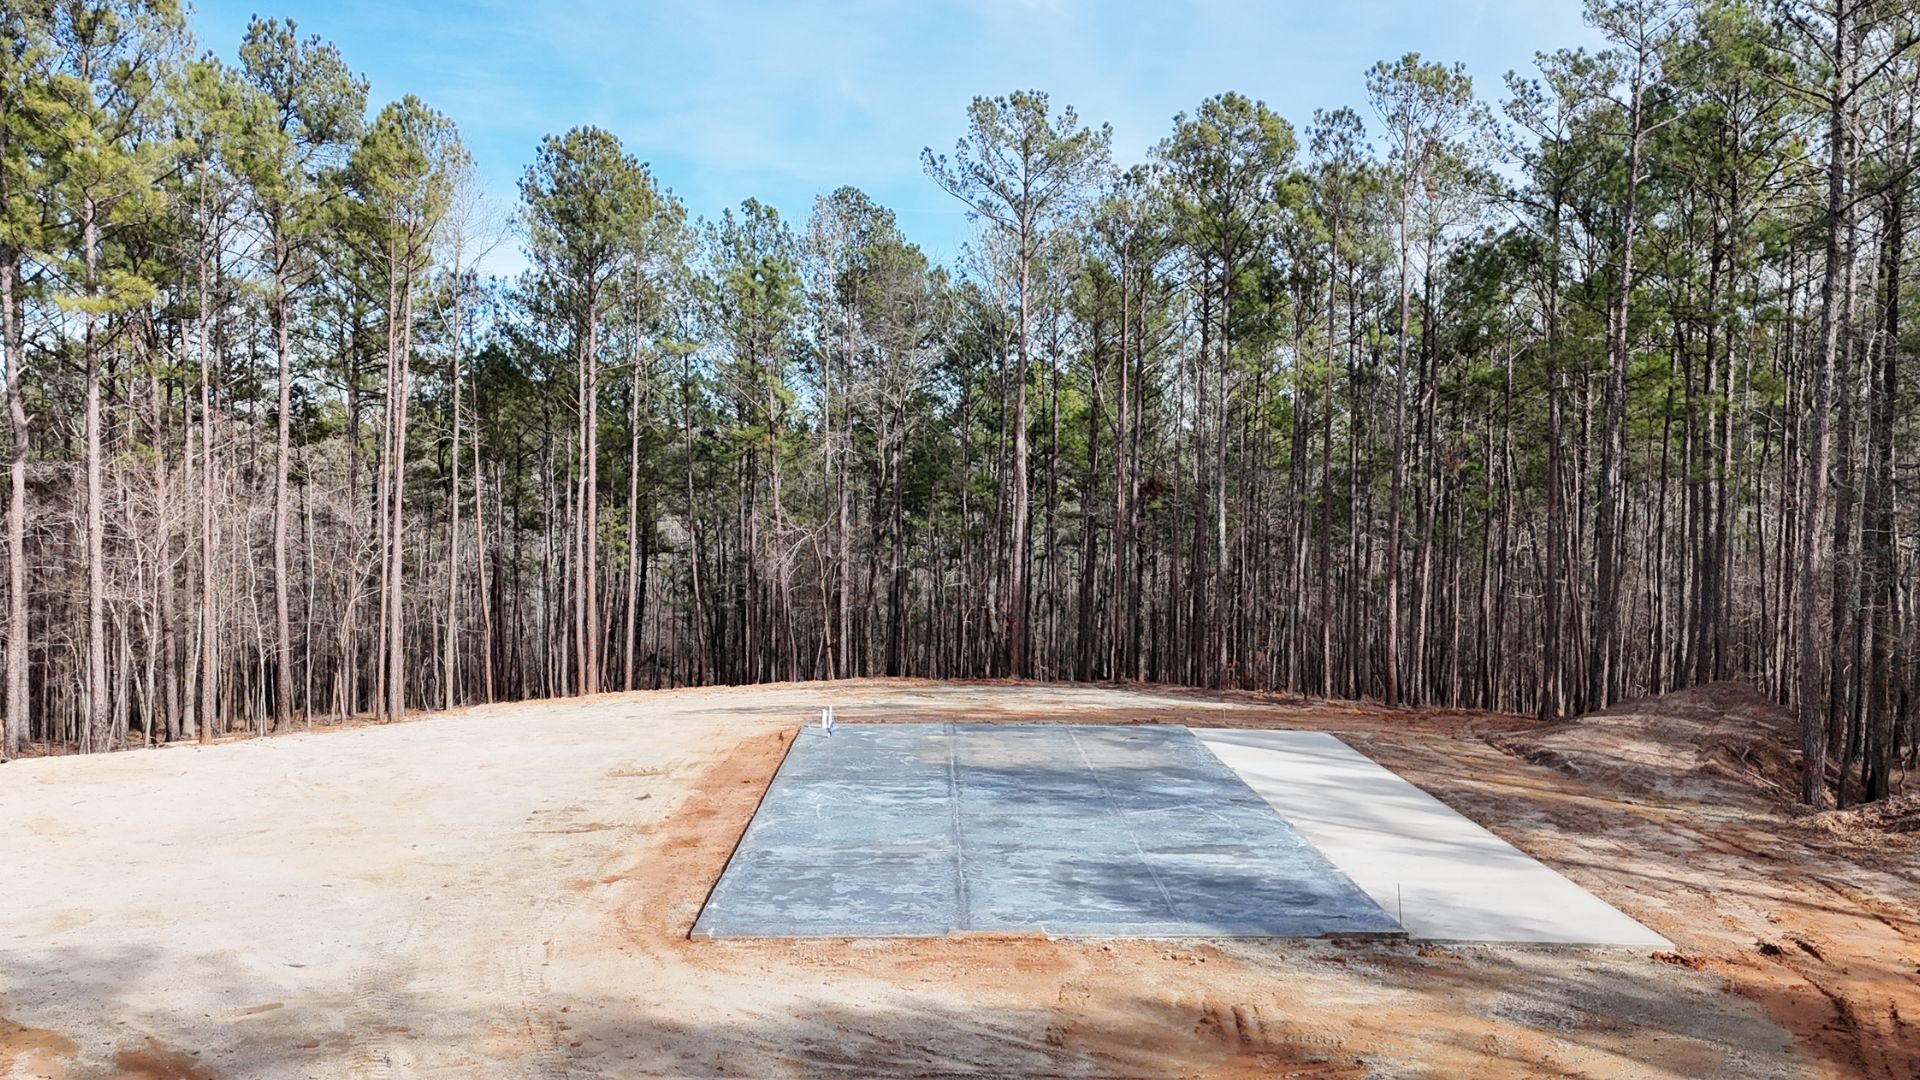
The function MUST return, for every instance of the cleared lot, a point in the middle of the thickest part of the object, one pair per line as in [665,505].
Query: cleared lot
[509,892]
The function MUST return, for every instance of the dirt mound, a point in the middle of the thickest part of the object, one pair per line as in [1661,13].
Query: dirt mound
[1894,823]
[1713,742]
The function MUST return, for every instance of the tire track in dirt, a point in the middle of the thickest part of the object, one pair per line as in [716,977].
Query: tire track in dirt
[524,974]
[377,996]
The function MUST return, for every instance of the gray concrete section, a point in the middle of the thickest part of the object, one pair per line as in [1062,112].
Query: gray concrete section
[1447,878]
[926,829]
[854,837]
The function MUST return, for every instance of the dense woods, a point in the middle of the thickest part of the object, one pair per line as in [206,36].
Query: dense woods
[1534,395]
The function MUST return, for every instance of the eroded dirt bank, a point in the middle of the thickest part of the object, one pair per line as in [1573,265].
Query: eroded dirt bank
[507,891]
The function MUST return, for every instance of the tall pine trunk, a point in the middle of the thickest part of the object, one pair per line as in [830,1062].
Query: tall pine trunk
[1608,549]
[17,726]
[96,735]
[283,632]
[1811,705]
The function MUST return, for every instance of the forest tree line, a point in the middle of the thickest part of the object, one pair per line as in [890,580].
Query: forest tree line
[1534,396]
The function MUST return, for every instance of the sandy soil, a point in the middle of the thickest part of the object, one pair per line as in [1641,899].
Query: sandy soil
[507,891]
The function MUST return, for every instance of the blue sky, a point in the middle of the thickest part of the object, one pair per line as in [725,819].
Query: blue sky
[782,102]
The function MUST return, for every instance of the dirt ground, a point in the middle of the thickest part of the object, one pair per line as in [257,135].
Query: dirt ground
[506,891]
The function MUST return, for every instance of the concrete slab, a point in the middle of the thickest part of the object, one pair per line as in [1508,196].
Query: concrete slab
[898,830]
[1447,878]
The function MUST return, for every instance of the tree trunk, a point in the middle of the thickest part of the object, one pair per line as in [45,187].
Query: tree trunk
[633,515]
[1881,585]
[1810,705]
[399,376]
[283,627]
[1391,632]
[1016,613]
[209,621]
[589,585]
[1607,553]
[450,645]
[97,735]
[17,726]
